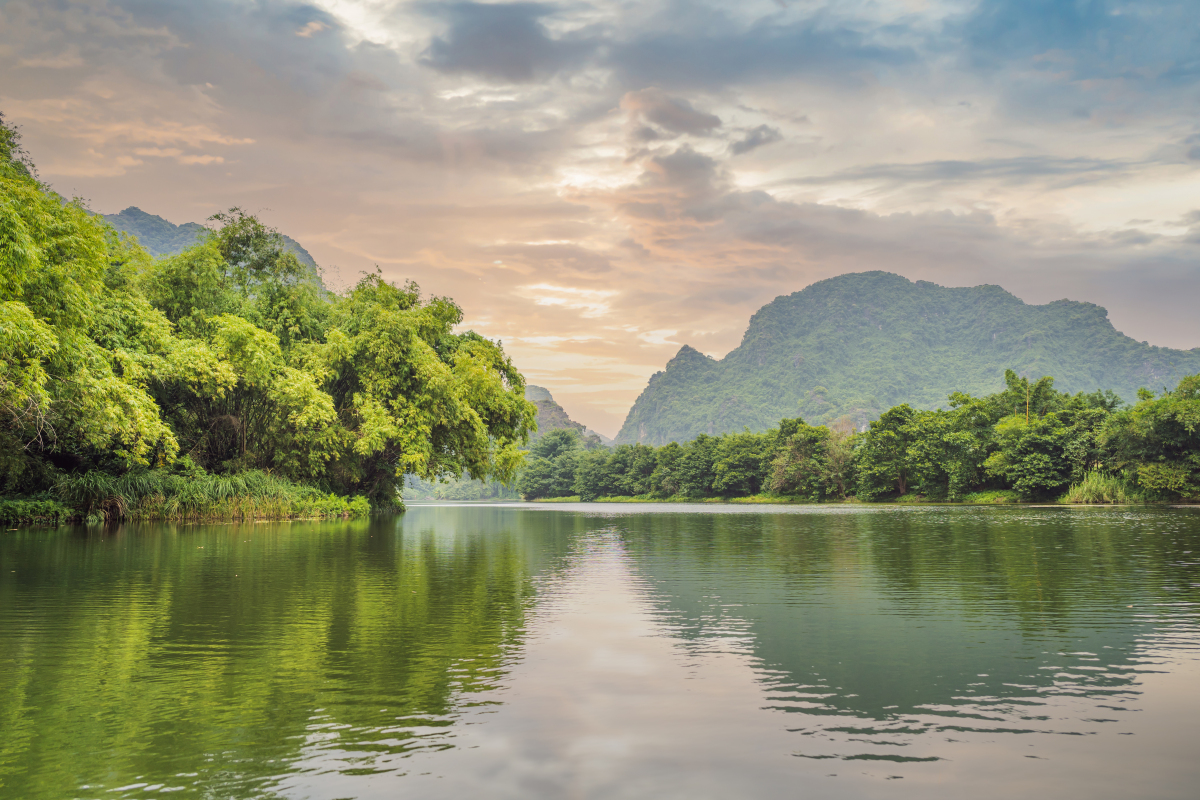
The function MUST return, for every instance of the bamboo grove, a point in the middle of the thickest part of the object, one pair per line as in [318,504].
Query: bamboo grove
[225,381]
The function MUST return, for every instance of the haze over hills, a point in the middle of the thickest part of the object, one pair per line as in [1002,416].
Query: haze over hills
[858,344]
[551,416]
[163,238]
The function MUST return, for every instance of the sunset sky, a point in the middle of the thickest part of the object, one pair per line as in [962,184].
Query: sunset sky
[600,182]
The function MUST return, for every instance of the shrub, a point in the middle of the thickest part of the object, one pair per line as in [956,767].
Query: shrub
[195,495]
[992,497]
[15,511]
[1097,487]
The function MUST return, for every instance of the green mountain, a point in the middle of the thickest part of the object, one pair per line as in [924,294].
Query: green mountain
[162,238]
[858,344]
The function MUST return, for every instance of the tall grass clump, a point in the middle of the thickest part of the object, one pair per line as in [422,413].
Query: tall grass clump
[1099,488]
[195,495]
[991,497]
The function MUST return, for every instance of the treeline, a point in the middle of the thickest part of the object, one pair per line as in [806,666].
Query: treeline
[225,381]
[1029,442]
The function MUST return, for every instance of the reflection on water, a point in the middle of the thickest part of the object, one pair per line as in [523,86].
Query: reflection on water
[605,651]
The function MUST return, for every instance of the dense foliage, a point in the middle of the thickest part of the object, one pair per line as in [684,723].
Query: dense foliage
[858,344]
[1028,442]
[229,358]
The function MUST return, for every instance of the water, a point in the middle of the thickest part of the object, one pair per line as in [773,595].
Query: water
[607,652]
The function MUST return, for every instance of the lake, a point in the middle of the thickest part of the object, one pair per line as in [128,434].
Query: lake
[608,651]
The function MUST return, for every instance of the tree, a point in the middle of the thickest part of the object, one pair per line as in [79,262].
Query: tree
[1157,442]
[1042,458]
[883,460]
[667,480]
[555,443]
[801,465]
[592,476]
[696,468]
[740,463]
[537,479]
[66,397]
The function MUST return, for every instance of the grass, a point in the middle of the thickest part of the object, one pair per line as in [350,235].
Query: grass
[756,499]
[775,499]
[1095,488]
[1098,488]
[161,495]
[991,497]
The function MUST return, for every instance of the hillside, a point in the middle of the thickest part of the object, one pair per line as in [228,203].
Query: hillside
[162,238]
[551,416]
[860,343]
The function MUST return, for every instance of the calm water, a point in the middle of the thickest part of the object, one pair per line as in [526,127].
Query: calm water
[608,652]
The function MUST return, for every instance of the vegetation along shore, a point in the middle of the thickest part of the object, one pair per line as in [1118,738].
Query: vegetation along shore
[1028,443]
[225,381]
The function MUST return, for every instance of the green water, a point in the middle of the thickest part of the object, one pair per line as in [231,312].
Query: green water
[607,652]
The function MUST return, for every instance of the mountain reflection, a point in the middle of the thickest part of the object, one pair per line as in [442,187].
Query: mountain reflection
[928,620]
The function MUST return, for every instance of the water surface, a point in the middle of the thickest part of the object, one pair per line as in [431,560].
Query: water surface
[600,651]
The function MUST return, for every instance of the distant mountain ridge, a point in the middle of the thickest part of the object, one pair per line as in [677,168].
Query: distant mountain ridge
[163,238]
[860,343]
[551,416]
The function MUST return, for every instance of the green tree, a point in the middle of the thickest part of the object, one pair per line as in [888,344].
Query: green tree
[742,461]
[667,480]
[1039,460]
[697,469]
[593,477]
[1157,442]
[65,395]
[882,460]
[537,479]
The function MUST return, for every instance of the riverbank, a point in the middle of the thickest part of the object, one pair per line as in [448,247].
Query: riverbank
[193,496]
[996,498]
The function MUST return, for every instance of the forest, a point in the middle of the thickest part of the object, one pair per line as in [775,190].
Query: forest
[226,381]
[1027,443]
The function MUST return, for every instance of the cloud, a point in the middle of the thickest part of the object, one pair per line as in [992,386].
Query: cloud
[311,28]
[592,302]
[1016,169]
[673,114]
[504,42]
[1098,60]
[725,53]
[756,138]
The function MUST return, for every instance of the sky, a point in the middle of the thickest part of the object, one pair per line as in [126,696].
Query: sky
[599,182]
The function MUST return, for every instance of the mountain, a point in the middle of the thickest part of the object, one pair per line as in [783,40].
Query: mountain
[551,416]
[858,344]
[162,238]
